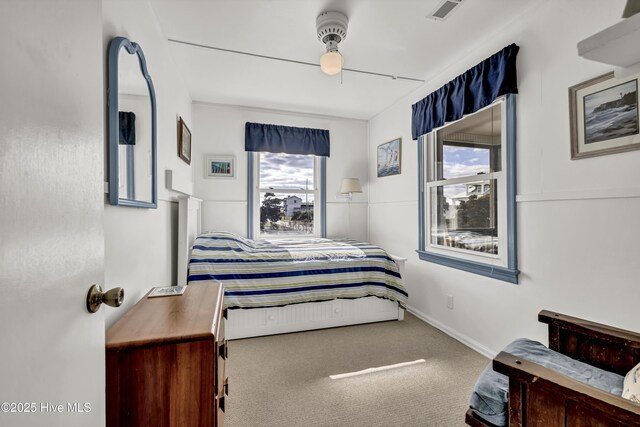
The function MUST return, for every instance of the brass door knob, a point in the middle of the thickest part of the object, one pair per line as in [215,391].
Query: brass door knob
[113,297]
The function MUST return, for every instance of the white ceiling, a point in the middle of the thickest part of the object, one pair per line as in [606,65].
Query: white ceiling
[384,36]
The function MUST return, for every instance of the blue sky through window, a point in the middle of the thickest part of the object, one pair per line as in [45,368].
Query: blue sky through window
[286,171]
[464,161]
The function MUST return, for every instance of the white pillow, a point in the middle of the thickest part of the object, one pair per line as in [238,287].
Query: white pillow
[631,387]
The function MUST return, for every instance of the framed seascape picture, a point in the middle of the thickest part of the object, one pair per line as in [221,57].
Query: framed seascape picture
[219,166]
[184,141]
[604,116]
[390,158]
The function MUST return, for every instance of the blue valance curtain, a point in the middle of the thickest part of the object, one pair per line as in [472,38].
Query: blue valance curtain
[470,91]
[286,139]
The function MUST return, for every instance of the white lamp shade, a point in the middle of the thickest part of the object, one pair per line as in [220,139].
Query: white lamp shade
[350,185]
[331,63]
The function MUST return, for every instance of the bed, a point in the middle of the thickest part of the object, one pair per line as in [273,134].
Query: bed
[287,285]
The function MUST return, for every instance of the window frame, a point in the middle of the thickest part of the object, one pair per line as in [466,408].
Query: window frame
[504,266]
[253,198]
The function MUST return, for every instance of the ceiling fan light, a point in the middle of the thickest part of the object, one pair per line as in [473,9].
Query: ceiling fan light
[331,63]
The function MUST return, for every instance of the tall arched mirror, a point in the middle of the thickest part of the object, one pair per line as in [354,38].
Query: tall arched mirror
[132,127]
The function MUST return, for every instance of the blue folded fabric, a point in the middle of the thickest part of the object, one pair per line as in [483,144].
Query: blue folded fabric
[490,396]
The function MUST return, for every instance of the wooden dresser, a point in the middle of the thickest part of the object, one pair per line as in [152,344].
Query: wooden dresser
[166,359]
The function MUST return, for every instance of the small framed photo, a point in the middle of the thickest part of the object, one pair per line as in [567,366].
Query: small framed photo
[167,291]
[604,116]
[184,141]
[390,158]
[216,166]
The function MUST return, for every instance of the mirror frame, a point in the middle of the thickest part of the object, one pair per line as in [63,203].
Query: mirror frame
[115,45]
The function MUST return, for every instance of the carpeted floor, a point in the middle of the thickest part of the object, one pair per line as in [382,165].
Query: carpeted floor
[283,380]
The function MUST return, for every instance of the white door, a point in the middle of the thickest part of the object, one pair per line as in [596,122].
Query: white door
[51,207]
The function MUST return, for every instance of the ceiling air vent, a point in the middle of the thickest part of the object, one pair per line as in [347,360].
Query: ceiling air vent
[444,9]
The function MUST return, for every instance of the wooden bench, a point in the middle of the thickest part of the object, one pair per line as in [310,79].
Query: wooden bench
[539,396]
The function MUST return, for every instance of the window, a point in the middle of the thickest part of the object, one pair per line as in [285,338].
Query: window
[288,200]
[467,193]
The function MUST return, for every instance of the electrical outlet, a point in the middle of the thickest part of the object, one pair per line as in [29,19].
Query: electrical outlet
[450,302]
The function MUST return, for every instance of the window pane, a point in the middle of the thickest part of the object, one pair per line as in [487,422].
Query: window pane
[281,212]
[286,214]
[286,171]
[471,146]
[459,161]
[464,216]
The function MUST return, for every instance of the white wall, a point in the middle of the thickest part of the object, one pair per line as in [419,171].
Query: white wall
[578,248]
[140,244]
[221,131]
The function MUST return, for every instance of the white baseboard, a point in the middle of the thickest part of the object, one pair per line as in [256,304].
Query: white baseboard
[473,344]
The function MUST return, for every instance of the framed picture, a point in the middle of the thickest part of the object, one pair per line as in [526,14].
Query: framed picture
[604,116]
[390,158]
[184,141]
[219,166]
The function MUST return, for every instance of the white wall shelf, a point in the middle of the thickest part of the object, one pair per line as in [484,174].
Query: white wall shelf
[616,45]
[177,183]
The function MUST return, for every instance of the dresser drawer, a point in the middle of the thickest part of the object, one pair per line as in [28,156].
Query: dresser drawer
[220,407]
[222,382]
[222,353]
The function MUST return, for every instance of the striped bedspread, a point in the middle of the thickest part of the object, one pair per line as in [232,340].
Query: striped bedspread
[263,273]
